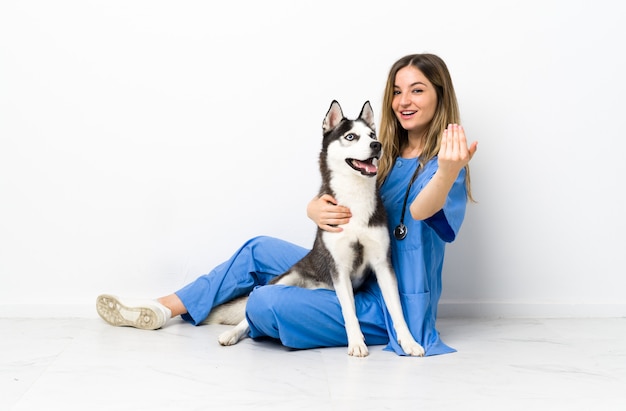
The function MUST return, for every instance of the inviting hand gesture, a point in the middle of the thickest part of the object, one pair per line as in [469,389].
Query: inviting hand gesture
[454,153]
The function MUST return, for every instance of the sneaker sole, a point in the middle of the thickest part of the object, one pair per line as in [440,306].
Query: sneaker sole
[117,314]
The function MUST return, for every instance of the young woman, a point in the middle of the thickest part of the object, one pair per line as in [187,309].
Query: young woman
[425,185]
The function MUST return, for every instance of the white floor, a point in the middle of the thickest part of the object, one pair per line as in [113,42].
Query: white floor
[521,364]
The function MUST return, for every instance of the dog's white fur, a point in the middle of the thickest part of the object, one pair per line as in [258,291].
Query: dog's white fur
[363,244]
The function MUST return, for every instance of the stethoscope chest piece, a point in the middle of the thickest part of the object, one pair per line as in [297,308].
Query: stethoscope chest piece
[400,232]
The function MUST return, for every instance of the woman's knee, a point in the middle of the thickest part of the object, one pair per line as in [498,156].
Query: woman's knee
[273,255]
[263,242]
[263,312]
[261,302]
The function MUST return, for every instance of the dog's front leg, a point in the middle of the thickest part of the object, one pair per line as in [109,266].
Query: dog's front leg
[389,287]
[345,294]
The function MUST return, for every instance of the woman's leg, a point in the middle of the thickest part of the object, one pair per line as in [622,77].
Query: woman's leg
[174,304]
[255,263]
[302,318]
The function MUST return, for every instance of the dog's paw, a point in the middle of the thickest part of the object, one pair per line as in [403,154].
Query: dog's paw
[233,336]
[358,350]
[412,348]
[227,338]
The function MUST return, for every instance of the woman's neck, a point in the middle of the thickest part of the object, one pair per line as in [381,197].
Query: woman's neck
[413,147]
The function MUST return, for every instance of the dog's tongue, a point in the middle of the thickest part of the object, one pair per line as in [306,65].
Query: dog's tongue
[367,166]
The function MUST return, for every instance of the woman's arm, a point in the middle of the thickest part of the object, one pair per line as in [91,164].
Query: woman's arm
[454,154]
[325,212]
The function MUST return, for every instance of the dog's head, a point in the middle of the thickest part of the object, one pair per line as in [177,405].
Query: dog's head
[351,142]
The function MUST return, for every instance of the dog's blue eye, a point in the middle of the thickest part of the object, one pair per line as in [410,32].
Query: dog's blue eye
[350,137]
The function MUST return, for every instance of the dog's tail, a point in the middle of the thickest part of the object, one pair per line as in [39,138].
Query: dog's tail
[229,313]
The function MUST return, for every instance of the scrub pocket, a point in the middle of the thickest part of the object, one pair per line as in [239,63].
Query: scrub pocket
[418,312]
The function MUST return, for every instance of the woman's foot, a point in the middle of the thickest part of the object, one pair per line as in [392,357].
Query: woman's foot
[143,314]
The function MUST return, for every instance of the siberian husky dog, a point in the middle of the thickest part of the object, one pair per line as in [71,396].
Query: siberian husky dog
[342,261]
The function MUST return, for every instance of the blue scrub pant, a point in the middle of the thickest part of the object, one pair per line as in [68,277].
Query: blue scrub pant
[298,317]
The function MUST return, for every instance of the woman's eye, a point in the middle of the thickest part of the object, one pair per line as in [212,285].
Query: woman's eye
[417,91]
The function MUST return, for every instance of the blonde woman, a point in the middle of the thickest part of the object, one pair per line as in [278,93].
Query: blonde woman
[425,186]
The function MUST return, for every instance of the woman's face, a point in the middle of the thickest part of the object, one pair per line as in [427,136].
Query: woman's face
[414,100]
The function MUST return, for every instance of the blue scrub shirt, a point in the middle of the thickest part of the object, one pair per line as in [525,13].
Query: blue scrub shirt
[418,259]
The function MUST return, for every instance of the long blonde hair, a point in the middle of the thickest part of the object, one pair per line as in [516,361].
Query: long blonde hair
[393,137]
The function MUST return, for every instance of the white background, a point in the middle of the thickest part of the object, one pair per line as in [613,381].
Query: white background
[141,142]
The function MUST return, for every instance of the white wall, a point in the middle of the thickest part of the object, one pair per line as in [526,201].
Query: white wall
[141,142]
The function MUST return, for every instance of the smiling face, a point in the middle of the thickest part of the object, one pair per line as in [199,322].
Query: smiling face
[414,100]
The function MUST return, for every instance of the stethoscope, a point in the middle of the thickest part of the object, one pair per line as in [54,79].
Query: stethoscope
[401,230]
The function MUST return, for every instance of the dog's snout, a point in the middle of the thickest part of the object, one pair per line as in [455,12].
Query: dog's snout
[375,145]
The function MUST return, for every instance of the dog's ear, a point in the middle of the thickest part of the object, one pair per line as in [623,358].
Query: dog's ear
[367,115]
[333,117]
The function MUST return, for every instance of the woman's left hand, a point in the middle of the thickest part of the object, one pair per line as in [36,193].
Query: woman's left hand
[454,153]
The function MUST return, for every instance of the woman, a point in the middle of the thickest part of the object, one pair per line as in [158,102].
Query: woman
[424,167]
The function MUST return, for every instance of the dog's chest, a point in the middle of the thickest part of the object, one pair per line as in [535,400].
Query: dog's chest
[357,241]
[361,198]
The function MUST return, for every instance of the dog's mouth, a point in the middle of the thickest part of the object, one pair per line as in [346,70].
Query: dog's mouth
[365,167]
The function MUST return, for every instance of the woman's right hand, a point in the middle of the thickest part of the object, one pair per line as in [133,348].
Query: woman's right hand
[328,216]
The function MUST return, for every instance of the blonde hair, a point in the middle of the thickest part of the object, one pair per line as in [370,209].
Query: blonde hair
[393,137]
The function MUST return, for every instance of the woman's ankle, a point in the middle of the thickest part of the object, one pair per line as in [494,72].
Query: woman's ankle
[174,304]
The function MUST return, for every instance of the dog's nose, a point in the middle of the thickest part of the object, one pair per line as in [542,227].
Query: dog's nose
[375,145]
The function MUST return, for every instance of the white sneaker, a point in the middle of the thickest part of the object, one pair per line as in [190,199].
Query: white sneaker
[144,314]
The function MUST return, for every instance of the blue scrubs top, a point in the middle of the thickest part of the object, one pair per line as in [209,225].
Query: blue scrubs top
[418,259]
